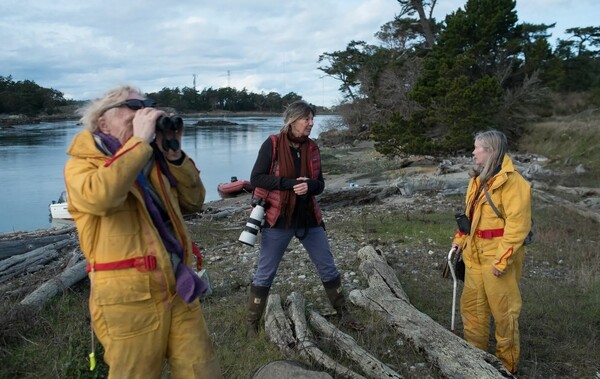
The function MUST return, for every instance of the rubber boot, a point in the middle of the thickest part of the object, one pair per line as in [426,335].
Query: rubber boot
[338,301]
[256,306]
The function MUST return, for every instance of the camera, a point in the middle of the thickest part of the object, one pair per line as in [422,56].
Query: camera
[464,225]
[166,124]
[254,223]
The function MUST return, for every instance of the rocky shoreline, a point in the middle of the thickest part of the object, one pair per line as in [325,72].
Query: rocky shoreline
[9,121]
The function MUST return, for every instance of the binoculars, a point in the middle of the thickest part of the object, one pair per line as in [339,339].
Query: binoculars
[169,125]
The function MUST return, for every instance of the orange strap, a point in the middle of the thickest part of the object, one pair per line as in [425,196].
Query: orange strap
[143,263]
[489,233]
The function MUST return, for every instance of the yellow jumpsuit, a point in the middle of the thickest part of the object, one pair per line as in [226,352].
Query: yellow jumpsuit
[495,242]
[136,314]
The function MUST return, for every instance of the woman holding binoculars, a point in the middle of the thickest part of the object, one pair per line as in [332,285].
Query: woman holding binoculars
[287,175]
[128,192]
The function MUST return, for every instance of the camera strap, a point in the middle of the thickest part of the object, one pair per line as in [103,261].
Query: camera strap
[489,199]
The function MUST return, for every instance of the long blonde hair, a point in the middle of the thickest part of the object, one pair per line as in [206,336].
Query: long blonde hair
[295,111]
[91,112]
[495,142]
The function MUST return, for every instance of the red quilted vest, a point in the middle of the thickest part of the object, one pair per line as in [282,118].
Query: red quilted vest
[273,197]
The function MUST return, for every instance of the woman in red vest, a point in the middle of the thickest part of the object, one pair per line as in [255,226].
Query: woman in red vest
[287,176]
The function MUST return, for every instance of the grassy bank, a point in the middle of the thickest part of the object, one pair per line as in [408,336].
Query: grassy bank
[568,142]
[560,285]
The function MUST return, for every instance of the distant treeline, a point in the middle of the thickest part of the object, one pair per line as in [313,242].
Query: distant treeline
[28,98]
[188,100]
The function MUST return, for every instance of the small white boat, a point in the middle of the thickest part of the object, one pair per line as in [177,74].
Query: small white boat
[58,209]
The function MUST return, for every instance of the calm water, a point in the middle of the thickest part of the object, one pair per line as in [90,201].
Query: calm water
[32,158]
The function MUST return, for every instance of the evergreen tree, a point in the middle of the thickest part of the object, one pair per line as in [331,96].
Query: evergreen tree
[580,58]
[463,81]
[27,97]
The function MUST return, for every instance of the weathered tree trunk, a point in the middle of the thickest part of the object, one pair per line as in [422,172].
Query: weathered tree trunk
[577,191]
[48,290]
[451,355]
[369,364]
[551,199]
[225,212]
[306,347]
[424,22]
[277,325]
[9,248]
[37,233]
[33,260]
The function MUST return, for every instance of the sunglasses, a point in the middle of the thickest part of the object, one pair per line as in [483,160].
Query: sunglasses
[133,104]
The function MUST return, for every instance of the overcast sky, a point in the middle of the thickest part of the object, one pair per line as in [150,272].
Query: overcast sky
[85,47]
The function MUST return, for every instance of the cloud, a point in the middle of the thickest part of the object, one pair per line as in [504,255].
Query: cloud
[84,48]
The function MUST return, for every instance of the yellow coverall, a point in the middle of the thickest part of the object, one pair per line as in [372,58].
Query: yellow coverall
[136,314]
[495,242]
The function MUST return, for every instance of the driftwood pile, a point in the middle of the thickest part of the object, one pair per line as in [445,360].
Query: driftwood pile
[449,354]
[50,259]
[581,208]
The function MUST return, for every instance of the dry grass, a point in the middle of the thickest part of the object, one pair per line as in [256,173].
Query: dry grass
[568,142]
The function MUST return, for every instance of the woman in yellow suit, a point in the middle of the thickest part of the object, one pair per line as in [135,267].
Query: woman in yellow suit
[129,185]
[493,248]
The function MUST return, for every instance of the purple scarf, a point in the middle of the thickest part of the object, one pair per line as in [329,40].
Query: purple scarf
[189,286]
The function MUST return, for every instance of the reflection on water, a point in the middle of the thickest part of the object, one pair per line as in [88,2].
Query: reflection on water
[31,135]
[32,158]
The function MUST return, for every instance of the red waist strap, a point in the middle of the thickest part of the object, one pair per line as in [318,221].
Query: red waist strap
[489,233]
[198,255]
[143,263]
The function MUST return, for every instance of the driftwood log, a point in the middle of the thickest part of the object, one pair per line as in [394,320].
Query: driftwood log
[277,326]
[36,233]
[52,287]
[225,213]
[33,260]
[580,210]
[20,243]
[279,329]
[576,191]
[368,363]
[450,354]
[305,346]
